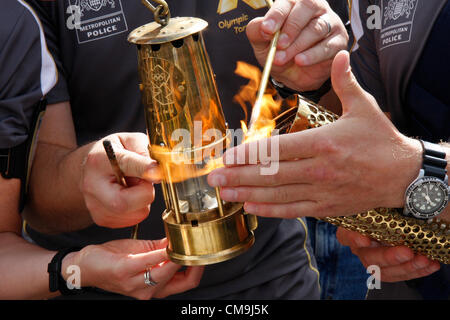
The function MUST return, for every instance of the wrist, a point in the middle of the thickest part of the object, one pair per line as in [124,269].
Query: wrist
[66,263]
[74,261]
[408,158]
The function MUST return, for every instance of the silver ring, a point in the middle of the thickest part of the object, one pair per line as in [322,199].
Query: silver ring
[148,278]
[328,24]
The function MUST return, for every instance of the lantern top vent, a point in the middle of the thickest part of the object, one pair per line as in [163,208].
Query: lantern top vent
[177,28]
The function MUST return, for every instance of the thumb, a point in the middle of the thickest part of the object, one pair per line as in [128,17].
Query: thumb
[344,83]
[135,165]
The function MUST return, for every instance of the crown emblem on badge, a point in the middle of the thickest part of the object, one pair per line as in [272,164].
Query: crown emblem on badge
[398,8]
[94,5]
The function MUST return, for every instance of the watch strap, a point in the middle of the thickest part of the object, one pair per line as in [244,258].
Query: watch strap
[434,162]
[56,281]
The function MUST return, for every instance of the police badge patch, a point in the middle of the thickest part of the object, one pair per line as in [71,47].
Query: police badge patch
[398,21]
[96,5]
[97,19]
[398,8]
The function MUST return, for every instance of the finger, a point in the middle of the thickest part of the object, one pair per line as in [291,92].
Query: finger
[312,34]
[115,197]
[134,141]
[133,164]
[109,219]
[299,17]
[181,281]
[349,92]
[287,210]
[384,256]
[352,238]
[305,171]
[419,267]
[322,52]
[276,16]
[281,194]
[259,40]
[137,246]
[138,196]
[136,263]
[162,274]
[298,145]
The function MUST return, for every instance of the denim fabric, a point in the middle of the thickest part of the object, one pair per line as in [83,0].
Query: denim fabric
[342,275]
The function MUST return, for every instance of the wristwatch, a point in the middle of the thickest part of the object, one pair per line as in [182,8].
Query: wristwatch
[428,195]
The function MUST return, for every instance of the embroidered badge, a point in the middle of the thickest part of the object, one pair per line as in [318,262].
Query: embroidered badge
[96,19]
[398,22]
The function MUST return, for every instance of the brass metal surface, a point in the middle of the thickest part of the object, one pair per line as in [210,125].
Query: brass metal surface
[206,242]
[177,28]
[187,132]
[389,226]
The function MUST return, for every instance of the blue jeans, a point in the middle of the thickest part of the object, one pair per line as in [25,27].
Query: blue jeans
[342,275]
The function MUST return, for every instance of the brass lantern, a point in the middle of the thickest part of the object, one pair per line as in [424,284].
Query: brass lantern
[188,135]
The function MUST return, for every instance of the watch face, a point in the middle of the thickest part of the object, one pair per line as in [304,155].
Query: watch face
[427,198]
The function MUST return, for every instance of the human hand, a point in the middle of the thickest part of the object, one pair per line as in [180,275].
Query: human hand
[110,204]
[118,266]
[397,263]
[307,44]
[355,164]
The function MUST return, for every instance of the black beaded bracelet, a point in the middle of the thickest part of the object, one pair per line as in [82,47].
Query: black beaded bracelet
[313,95]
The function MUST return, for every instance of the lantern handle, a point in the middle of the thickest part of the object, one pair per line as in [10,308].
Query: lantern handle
[161,11]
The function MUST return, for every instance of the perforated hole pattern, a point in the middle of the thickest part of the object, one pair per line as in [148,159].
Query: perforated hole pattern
[390,227]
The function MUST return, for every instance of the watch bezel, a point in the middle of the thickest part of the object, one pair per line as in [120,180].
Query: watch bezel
[410,191]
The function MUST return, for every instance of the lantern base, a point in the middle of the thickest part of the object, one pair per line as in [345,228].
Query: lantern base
[212,240]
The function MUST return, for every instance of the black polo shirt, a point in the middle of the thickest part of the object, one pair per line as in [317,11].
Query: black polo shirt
[99,76]
[27,71]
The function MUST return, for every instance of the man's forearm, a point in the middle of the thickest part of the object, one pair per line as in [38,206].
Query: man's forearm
[56,202]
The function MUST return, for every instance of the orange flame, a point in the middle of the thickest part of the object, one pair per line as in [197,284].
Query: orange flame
[264,124]
[181,166]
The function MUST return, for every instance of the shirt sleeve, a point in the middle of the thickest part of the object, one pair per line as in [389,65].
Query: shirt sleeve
[47,12]
[364,55]
[28,71]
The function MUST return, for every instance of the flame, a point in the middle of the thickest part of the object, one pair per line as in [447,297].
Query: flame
[264,124]
[180,166]
[210,118]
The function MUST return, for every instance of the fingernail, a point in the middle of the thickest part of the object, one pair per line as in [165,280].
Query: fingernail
[153,174]
[217,180]
[302,59]
[403,257]
[250,208]
[229,194]
[269,26]
[280,56]
[283,41]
